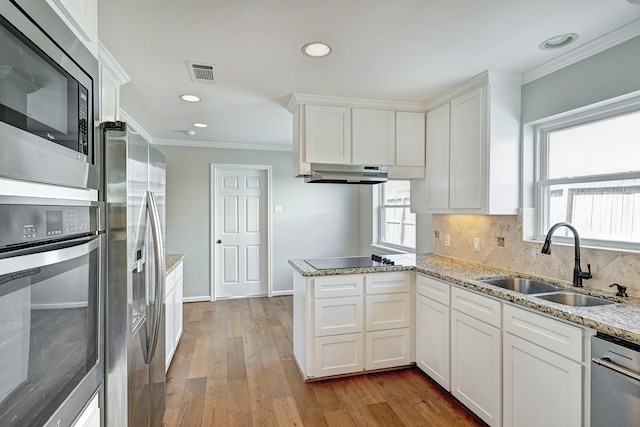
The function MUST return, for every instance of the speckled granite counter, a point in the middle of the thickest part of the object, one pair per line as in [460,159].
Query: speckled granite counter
[172,261]
[620,320]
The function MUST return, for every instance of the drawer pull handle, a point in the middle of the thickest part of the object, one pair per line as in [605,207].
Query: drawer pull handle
[608,363]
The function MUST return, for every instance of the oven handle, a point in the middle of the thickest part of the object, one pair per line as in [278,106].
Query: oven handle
[31,261]
[158,252]
[608,363]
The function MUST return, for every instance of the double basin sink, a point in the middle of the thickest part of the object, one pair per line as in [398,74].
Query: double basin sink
[547,291]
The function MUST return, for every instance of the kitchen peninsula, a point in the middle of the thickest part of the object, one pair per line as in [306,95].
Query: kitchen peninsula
[489,346]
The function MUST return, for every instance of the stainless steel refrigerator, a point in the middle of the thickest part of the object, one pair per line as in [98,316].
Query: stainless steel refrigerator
[135,181]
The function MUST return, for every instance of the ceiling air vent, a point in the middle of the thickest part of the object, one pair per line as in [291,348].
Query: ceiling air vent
[203,73]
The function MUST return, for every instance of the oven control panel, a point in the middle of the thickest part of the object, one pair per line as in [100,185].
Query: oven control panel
[22,224]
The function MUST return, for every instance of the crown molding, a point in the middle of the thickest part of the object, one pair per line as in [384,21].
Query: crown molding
[124,117]
[107,60]
[226,145]
[585,51]
[337,101]
[485,77]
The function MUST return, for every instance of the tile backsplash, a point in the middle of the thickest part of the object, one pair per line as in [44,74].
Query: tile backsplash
[501,245]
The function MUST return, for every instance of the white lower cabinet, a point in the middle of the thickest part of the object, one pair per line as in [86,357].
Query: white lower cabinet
[543,370]
[173,312]
[339,328]
[432,340]
[541,388]
[387,348]
[476,368]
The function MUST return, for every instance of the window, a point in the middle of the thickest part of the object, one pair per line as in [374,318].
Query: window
[396,224]
[589,175]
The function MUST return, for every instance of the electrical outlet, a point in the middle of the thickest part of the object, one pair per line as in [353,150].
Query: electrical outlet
[500,241]
[447,240]
[476,244]
[436,234]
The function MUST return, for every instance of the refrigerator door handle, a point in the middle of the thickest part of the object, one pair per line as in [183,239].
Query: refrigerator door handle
[158,253]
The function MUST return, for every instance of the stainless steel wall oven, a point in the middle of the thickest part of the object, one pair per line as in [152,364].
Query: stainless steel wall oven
[48,99]
[51,343]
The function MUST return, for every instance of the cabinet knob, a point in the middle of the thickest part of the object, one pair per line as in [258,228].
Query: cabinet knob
[218,241]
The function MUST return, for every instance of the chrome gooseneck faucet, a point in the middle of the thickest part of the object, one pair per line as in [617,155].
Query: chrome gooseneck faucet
[578,274]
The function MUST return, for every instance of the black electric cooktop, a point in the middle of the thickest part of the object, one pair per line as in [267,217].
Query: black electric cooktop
[350,262]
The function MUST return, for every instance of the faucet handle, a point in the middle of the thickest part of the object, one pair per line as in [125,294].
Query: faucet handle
[622,290]
[589,274]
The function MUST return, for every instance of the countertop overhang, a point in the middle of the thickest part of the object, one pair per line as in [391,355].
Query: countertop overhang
[620,320]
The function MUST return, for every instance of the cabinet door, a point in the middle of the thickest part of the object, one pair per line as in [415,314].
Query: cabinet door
[177,306]
[410,145]
[432,340]
[476,366]
[169,333]
[466,150]
[374,137]
[387,349]
[81,16]
[338,316]
[388,311]
[436,183]
[541,388]
[328,134]
[338,354]
[109,95]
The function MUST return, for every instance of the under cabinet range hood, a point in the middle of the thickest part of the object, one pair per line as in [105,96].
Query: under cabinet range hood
[346,174]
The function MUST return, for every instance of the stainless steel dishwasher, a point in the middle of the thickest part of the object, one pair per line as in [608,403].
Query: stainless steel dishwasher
[615,382]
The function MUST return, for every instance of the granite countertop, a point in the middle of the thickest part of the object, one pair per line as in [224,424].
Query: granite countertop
[620,320]
[172,261]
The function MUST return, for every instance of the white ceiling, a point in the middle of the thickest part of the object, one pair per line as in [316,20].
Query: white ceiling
[398,50]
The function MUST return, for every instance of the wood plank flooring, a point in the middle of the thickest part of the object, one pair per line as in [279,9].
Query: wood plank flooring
[235,367]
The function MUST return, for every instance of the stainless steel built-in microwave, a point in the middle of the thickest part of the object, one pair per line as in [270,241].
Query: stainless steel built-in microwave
[48,99]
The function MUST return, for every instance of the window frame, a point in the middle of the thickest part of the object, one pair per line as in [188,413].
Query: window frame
[378,225]
[543,183]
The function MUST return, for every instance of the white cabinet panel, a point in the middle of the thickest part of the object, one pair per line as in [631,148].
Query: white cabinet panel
[388,311]
[173,312]
[90,417]
[479,306]
[466,151]
[476,366]
[81,16]
[410,147]
[338,354]
[389,348]
[338,316]
[552,334]
[374,136]
[434,190]
[541,388]
[387,283]
[432,340]
[337,286]
[328,134]
[434,289]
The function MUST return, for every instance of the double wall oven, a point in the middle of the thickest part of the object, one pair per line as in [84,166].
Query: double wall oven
[52,233]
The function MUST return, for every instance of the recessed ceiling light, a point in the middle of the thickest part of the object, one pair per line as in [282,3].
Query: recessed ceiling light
[558,41]
[190,98]
[200,125]
[316,49]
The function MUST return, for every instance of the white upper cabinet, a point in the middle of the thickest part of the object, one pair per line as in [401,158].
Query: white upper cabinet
[349,131]
[112,76]
[328,134]
[374,137]
[473,150]
[410,146]
[82,17]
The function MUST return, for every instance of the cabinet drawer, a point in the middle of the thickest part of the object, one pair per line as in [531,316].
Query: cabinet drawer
[338,316]
[388,311]
[551,334]
[478,306]
[387,283]
[337,286]
[386,349]
[434,289]
[341,354]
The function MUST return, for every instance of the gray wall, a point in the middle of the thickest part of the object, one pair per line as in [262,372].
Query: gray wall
[318,220]
[606,75]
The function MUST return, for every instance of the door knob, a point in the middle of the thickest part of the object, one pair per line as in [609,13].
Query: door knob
[218,241]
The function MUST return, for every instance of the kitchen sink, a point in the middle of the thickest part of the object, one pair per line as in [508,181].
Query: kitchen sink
[573,299]
[524,286]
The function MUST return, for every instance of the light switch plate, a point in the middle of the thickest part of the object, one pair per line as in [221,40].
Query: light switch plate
[447,240]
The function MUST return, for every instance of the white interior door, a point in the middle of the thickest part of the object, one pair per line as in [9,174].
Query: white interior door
[240,232]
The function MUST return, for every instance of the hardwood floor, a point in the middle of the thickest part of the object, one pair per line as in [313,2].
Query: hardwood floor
[235,367]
